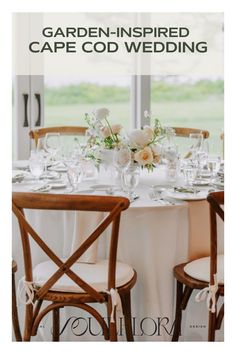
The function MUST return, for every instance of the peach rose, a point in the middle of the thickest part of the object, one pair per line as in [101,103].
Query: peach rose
[116,128]
[144,157]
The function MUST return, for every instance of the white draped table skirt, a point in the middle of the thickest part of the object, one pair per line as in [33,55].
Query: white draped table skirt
[153,239]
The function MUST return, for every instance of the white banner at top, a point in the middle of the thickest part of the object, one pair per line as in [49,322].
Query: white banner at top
[118,44]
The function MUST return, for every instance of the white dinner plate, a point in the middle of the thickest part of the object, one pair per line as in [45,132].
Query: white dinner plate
[218,185]
[201,182]
[50,175]
[41,189]
[20,165]
[102,187]
[186,196]
[58,169]
[204,174]
[19,173]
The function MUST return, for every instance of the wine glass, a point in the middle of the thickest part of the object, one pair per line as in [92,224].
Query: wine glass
[74,174]
[196,140]
[131,180]
[170,152]
[52,143]
[121,160]
[40,149]
[36,165]
[202,154]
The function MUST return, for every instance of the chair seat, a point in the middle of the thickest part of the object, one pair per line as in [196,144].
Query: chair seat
[95,275]
[200,269]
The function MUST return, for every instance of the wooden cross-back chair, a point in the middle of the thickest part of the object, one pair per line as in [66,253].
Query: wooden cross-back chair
[184,132]
[205,274]
[64,130]
[116,278]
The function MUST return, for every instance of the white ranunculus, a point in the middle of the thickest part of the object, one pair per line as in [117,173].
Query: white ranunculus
[105,132]
[149,132]
[101,113]
[116,128]
[138,138]
[144,156]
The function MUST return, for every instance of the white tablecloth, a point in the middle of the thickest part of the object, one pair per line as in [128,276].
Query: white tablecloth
[153,239]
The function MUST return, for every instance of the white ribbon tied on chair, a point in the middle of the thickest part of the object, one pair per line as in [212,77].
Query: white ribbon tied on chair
[209,294]
[115,303]
[25,288]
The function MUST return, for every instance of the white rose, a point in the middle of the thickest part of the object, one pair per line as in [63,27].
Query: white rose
[144,157]
[105,132]
[149,132]
[101,113]
[116,128]
[138,138]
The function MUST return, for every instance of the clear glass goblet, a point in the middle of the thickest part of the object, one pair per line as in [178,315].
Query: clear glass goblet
[121,161]
[131,180]
[36,165]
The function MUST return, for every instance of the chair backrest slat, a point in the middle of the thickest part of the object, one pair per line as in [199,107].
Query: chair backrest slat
[184,132]
[63,130]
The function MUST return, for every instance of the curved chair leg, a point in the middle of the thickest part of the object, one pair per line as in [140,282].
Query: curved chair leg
[15,319]
[28,322]
[211,326]
[56,325]
[220,317]
[178,312]
[126,304]
[112,325]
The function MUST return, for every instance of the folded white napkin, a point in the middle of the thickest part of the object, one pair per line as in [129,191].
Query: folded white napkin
[17,173]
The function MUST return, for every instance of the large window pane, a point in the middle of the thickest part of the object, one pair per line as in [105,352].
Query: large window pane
[190,102]
[68,99]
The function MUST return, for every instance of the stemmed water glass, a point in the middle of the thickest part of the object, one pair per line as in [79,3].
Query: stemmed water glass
[52,143]
[74,174]
[196,141]
[131,180]
[40,149]
[121,160]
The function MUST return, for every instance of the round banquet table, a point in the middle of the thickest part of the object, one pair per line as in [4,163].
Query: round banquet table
[153,238]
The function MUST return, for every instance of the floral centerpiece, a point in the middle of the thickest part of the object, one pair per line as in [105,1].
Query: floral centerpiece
[145,145]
